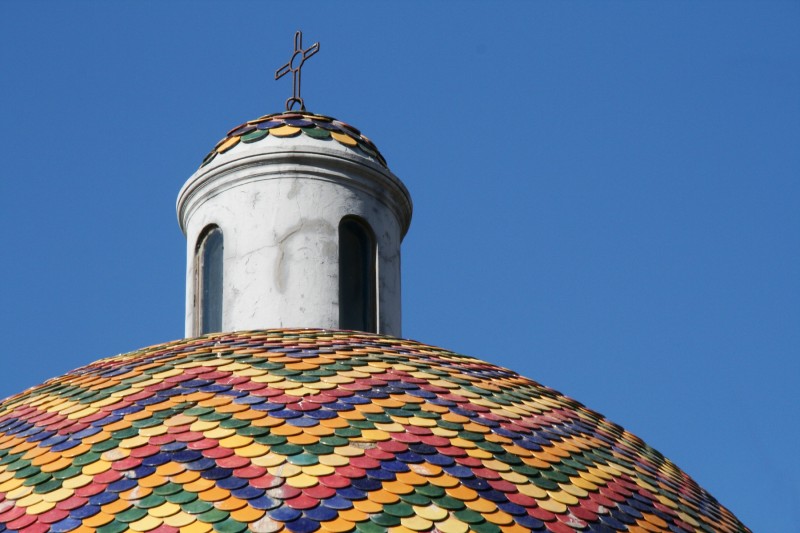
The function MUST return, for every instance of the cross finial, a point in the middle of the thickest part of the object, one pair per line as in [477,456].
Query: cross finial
[294,65]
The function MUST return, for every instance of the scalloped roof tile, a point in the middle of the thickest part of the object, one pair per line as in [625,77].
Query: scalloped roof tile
[291,124]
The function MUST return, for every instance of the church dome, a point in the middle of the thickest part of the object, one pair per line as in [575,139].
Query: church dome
[299,125]
[331,431]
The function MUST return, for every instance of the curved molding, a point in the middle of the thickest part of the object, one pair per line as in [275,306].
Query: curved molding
[309,162]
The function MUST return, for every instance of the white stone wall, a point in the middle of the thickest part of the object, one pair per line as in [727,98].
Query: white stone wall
[278,203]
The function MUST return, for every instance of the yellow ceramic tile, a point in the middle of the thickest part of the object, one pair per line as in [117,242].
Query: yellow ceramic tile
[58,495]
[229,504]
[416,523]
[431,512]
[481,506]
[338,525]
[179,519]
[164,510]
[552,505]
[213,494]
[145,523]
[247,514]
[100,519]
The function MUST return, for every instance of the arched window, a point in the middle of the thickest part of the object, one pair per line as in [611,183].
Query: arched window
[357,290]
[208,281]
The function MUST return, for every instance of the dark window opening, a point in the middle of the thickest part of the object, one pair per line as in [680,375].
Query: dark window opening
[208,269]
[357,290]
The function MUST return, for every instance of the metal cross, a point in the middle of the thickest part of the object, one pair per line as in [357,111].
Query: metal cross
[294,65]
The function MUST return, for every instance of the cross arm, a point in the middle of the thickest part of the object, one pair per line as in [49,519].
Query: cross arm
[285,69]
[310,51]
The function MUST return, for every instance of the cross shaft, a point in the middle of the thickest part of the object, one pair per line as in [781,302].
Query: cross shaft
[294,66]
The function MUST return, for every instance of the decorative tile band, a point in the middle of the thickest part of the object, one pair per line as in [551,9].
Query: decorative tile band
[291,124]
[311,430]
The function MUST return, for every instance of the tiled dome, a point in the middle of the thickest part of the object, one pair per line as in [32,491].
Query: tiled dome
[312,430]
[292,124]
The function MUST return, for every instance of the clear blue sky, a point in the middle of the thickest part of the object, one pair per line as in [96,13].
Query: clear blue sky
[606,194]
